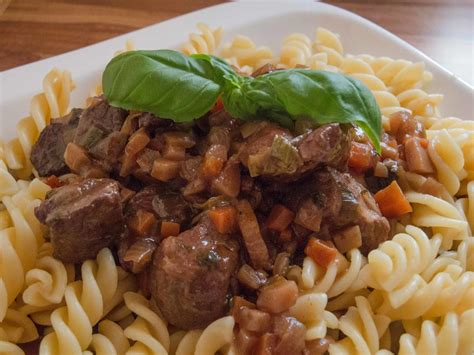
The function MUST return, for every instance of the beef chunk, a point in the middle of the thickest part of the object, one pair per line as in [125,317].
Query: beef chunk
[190,275]
[47,154]
[334,201]
[83,218]
[327,144]
[272,152]
[99,133]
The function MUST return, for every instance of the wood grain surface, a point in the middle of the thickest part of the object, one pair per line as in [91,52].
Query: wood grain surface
[35,29]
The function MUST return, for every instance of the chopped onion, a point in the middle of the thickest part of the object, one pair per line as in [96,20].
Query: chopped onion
[280,266]
[249,277]
[139,254]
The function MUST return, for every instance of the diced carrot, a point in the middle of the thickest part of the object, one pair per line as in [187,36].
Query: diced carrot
[224,218]
[53,181]
[361,157]
[141,222]
[165,169]
[280,218]
[424,142]
[169,229]
[392,201]
[218,106]
[322,253]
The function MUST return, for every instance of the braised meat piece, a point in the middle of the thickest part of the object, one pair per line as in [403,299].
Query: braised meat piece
[83,217]
[190,275]
[272,152]
[99,133]
[332,201]
[47,154]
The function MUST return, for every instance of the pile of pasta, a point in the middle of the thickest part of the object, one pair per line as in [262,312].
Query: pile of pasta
[414,294]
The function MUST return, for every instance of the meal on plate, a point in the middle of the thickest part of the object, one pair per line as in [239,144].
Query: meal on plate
[231,201]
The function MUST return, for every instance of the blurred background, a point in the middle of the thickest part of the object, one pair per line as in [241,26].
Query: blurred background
[35,29]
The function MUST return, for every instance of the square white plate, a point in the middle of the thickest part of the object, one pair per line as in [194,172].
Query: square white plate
[265,22]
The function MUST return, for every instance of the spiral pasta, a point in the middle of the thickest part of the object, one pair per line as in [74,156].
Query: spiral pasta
[310,310]
[453,335]
[206,42]
[46,283]
[148,330]
[209,341]
[52,102]
[363,329]
[19,242]
[397,261]
[244,54]
[443,217]
[17,328]
[336,278]
[101,288]
[329,43]
[296,50]
[451,290]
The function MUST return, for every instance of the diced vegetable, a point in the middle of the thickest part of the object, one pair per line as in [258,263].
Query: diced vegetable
[278,296]
[174,152]
[404,126]
[281,264]
[254,320]
[362,157]
[211,166]
[239,302]
[247,276]
[137,142]
[180,139]
[77,160]
[169,229]
[251,234]
[381,170]
[417,157]
[218,106]
[228,181]
[285,236]
[224,218]
[139,254]
[165,169]
[53,181]
[141,222]
[321,253]
[146,158]
[280,218]
[265,344]
[348,239]
[392,201]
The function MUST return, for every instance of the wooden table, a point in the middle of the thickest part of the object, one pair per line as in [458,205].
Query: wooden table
[36,29]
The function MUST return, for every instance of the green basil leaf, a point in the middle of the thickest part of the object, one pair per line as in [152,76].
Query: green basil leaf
[296,94]
[164,82]
[327,97]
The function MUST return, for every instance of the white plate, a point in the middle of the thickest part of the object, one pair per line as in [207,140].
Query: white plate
[265,22]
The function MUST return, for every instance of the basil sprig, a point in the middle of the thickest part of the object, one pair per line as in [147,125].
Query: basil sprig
[172,85]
